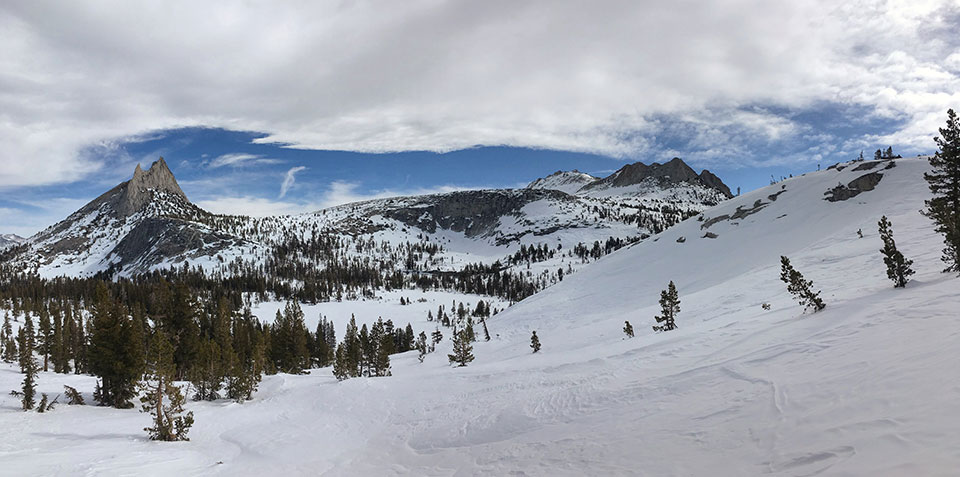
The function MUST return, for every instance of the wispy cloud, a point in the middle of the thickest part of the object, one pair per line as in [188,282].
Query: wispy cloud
[289,179]
[239,159]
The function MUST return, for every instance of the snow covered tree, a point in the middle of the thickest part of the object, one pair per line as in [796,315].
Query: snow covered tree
[944,182]
[162,398]
[799,287]
[534,342]
[28,366]
[898,267]
[628,329]
[462,349]
[669,308]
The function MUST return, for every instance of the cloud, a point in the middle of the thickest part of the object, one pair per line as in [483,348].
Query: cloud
[239,159]
[289,179]
[437,75]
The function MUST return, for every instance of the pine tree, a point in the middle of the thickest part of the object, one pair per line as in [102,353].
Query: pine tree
[534,342]
[799,287]
[162,398]
[898,267]
[45,337]
[422,346]
[628,329]
[486,332]
[10,342]
[116,351]
[462,349]
[670,307]
[944,182]
[28,366]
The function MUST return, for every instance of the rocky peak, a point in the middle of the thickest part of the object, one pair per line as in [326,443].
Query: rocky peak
[674,171]
[140,190]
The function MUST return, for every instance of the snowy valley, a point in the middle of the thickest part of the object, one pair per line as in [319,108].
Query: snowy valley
[749,383]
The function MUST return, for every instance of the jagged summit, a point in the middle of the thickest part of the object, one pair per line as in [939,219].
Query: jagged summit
[139,190]
[673,172]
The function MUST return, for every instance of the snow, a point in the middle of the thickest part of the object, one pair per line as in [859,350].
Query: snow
[868,386]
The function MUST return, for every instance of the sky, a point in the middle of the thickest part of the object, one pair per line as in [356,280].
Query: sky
[285,107]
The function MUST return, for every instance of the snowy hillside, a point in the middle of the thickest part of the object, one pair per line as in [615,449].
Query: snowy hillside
[565,181]
[867,386]
[7,240]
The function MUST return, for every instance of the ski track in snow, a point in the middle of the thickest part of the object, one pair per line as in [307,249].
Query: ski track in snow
[868,386]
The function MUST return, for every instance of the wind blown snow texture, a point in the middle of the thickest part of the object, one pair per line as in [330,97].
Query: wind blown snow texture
[869,386]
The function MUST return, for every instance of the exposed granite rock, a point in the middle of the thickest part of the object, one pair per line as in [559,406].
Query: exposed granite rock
[864,183]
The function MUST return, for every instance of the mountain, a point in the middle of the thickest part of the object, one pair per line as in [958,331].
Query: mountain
[137,225]
[673,179]
[565,181]
[7,240]
[148,223]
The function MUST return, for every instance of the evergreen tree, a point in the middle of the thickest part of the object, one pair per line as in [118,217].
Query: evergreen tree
[28,366]
[435,338]
[382,344]
[898,267]
[290,351]
[486,332]
[422,345]
[162,398]
[45,337]
[534,342]
[799,287]
[61,360]
[670,307]
[462,349]
[10,342]
[944,182]
[116,351]
[628,329]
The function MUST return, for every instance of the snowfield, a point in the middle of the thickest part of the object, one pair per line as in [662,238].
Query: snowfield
[868,386]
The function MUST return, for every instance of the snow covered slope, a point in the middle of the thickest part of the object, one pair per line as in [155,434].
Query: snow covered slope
[868,386]
[7,240]
[565,181]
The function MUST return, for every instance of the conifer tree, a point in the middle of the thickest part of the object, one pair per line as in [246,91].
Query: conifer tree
[28,366]
[628,329]
[799,287]
[422,346]
[898,267]
[944,182]
[45,337]
[462,349]
[435,338]
[670,307]
[162,398]
[61,362]
[486,332]
[534,342]
[10,342]
[116,351]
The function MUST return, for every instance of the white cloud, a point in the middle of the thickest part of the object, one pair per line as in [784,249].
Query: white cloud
[239,159]
[289,179]
[438,75]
